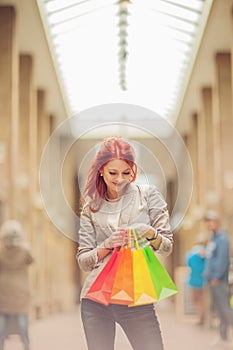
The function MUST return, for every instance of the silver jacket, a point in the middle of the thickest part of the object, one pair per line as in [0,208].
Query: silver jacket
[140,204]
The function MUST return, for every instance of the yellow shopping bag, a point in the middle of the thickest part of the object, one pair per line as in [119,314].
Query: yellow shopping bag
[144,292]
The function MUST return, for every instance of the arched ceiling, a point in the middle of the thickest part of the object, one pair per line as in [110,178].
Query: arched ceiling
[215,34]
[139,52]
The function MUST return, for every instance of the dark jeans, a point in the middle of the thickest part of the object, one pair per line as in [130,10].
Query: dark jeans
[221,303]
[139,323]
[14,324]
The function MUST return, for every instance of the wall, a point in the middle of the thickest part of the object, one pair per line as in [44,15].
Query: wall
[26,126]
[208,131]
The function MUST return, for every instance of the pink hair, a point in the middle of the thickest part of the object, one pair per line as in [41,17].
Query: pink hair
[111,148]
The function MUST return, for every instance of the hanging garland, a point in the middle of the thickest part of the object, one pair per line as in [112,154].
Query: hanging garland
[123,53]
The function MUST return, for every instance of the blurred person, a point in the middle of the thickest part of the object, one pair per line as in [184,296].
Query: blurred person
[114,202]
[15,259]
[195,260]
[217,273]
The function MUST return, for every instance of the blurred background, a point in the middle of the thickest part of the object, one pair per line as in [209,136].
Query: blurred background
[78,64]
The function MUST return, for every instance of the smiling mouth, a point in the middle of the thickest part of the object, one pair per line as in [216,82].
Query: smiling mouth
[120,184]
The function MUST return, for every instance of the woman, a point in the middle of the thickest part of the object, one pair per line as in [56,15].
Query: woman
[113,203]
[15,259]
[195,260]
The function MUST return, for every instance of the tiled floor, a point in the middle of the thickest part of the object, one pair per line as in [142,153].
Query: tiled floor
[64,332]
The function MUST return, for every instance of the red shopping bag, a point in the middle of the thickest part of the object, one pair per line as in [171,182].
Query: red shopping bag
[101,289]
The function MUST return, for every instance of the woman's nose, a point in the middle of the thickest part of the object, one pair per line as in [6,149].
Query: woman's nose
[120,177]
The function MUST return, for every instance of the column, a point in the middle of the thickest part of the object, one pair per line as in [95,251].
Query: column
[224,128]
[42,225]
[8,109]
[192,145]
[201,163]
[209,159]
[26,113]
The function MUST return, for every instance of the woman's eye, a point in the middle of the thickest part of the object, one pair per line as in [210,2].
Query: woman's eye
[113,173]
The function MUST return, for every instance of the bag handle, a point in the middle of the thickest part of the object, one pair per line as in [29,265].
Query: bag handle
[139,241]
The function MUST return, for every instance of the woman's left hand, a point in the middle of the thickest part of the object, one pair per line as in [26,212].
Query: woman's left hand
[117,239]
[120,238]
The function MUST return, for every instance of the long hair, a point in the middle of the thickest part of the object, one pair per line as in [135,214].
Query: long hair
[111,148]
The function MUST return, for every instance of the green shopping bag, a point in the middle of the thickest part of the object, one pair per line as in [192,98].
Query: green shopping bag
[163,284]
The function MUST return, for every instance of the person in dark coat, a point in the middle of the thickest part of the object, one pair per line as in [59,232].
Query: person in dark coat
[217,273]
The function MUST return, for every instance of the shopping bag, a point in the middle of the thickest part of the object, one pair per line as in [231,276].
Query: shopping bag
[132,276]
[163,284]
[144,292]
[123,286]
[100,290]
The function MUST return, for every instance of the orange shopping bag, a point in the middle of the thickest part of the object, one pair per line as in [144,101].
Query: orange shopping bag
[123,287]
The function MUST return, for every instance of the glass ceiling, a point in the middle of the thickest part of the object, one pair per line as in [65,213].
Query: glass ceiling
[139,52]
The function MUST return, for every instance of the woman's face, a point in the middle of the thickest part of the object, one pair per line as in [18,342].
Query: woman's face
[212,225]
[117,174]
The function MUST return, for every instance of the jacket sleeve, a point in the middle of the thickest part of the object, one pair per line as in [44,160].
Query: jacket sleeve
[159,218]
[221,259]
[87,251]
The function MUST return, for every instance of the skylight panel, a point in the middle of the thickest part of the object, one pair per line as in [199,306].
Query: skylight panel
[195,5]
[140,53]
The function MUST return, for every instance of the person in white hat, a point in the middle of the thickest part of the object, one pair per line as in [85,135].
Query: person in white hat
[195,260]
[15,258]
[217,271]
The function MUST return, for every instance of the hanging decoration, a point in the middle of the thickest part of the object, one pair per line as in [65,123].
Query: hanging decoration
[123,14]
